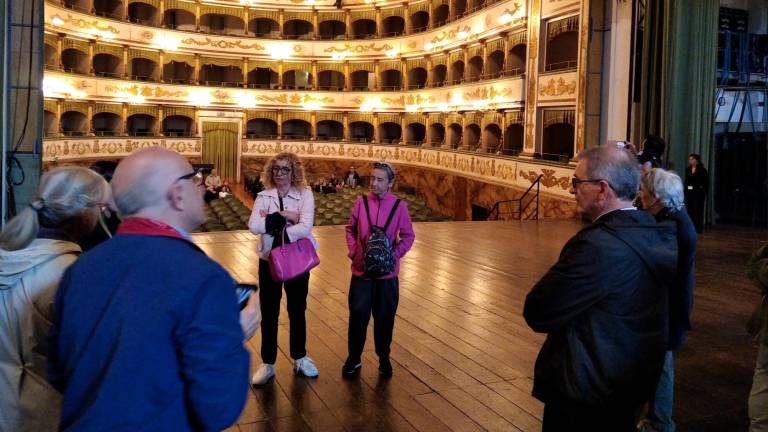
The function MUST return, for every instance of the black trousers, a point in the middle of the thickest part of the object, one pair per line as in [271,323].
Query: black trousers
[566,417]
[378,297]
[695,201]
[270,294]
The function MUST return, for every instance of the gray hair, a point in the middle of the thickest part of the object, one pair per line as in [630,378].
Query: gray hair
[64,194]
[666,186]
[141,194]
[618,167]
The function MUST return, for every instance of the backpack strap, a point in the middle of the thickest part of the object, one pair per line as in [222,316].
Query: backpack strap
[391,214]
[367,212]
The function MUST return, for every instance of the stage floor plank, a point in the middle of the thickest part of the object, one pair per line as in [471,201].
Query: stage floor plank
[462,354]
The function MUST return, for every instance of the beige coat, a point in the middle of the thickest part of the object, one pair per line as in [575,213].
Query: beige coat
[28,282]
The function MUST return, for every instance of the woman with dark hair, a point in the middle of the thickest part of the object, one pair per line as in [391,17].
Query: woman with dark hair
[36,247]
[284,212]
[696,187]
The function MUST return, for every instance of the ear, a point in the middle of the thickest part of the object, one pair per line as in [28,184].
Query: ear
[176,197]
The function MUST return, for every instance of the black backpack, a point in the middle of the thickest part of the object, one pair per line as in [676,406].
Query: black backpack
[379,256]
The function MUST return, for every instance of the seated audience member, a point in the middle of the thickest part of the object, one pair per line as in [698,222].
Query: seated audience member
[334,180]
[661,193]
[352,178]
[212,185]
[757,271]
[35,248]
[320,185]
[603,305]
[148,332]
[225,190]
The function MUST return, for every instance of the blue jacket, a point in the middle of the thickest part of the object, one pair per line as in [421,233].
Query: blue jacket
[147,337]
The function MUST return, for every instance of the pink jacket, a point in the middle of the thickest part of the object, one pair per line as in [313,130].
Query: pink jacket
[358,230]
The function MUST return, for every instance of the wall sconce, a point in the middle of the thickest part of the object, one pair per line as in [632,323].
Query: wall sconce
[391,53]
[57,21]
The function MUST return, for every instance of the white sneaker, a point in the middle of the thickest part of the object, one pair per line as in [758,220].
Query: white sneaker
[305,366]
[263,374]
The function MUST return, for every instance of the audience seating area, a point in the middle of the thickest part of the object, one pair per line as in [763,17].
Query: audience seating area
[230,214]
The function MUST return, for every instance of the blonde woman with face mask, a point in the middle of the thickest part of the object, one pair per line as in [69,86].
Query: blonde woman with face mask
[36,247]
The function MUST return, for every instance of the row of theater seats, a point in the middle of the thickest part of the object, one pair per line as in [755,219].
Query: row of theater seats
[226,214]
[335,208]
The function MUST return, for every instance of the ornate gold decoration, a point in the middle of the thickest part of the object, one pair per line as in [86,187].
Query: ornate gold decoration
[222,44]
[222,96]
[549,180]
[294,99]
[489,93]
[298,48]
[359,49]
[147,35]
[557,88]
[146,91]
[87,25]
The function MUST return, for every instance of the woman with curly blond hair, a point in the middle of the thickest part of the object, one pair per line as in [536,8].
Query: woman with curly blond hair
[287,203]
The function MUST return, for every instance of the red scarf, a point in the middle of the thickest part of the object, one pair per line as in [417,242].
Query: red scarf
[144,226]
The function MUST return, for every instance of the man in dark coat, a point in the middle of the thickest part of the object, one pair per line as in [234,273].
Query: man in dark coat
[148,333]
[603,305]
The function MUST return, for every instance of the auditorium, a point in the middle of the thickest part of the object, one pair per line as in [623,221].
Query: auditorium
[512,215]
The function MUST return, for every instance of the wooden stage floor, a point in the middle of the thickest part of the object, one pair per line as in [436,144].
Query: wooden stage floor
[462,354]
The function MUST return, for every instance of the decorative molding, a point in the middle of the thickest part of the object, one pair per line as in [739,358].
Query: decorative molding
[557,87]
[146,91]
[359,49]
[92,147]
[83,24]
[222,44]
[549,180]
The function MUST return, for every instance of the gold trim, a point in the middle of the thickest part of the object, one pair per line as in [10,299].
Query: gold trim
[557,88]
[358,49]
[223,44]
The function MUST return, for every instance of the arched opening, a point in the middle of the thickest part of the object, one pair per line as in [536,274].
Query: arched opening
[492,138]
[179,19]
[74,61]
[516,60]
[360,80]
[109,8]
[455,134]
[417,78]
[296,130]
[513,140]
[142,13]
[50,128]
[562,44]
[439,75]
[459,8]
[79,5]
[415,134]
[264,28]
[436,134]
[74,123]
[221,24]
[363,29]
[557,142]
[391,80]
[440,15]
[178,73]
[298,30]
[330,80]
[393,26]
[264,78]
[177,126]
[106,124]
[297,79]
[51,57]
[419,22]
[141,125]
[457,72]
[144,69]
[472,138]
[330,130]
[228,76]
[361,131]
[389,133]
[495,66]
[332,29]
[107,65]
[475,69]
[261,128]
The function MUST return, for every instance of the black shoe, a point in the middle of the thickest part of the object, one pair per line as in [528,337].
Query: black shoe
[385,367]
[351,368]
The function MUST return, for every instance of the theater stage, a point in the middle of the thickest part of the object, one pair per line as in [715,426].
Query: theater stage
[462,354]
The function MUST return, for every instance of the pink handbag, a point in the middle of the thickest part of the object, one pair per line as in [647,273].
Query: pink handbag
[292,259]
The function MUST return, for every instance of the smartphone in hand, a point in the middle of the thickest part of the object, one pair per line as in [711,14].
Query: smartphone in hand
[244,292]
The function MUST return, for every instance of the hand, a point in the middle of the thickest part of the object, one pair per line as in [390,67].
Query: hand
[291,216]
[250,316]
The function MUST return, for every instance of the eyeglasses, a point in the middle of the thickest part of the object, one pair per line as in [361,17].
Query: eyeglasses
[196,177]
[381,165]
[281,169]
[575,182]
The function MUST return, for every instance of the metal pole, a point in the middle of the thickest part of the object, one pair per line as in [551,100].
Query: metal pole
[5,140]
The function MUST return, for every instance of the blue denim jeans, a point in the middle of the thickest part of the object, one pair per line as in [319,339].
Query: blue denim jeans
[660,406]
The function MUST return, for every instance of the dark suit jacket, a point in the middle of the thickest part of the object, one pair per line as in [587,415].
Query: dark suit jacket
[603,306]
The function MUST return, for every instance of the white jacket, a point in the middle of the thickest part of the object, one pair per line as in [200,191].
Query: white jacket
[268,202]
[28,281]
